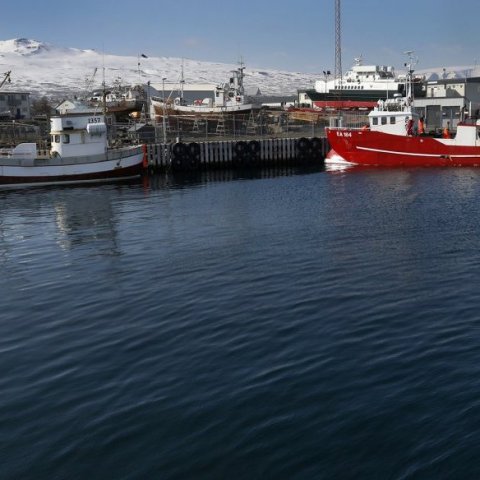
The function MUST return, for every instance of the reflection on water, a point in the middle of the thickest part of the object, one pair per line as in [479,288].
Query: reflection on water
[273,321]
[187,179]
[84,218]
[82,214]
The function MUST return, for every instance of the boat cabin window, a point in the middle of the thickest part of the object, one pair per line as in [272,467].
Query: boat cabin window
[375,121]
[384,120]
[56,138]
[66,138]
[392,120]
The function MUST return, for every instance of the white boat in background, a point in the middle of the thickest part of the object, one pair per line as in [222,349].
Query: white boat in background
[227,98]
[79,152]
[366,83]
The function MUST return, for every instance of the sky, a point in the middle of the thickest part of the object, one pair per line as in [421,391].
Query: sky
[291,35]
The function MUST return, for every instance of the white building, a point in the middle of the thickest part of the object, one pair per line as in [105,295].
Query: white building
[75,106]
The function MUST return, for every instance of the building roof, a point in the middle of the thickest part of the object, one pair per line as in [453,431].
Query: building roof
[449,81]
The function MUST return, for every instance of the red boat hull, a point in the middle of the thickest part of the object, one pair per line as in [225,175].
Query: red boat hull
[365,147]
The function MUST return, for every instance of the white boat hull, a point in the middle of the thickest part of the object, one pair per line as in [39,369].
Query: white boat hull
[120,164]
[200,110]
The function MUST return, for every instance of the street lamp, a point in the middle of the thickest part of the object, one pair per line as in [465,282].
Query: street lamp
[163,119]
[326,73]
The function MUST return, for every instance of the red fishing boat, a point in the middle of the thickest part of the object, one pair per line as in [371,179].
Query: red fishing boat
[390,141]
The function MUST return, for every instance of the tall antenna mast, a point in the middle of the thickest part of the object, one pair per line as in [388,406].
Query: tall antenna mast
[338,45]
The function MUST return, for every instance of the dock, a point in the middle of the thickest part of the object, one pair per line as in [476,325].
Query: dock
[190,156]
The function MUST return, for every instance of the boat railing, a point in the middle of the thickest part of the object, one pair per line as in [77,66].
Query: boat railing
[392,105]
[347,127]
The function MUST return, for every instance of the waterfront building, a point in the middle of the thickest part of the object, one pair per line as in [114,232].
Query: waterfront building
[449,100]
[15,105]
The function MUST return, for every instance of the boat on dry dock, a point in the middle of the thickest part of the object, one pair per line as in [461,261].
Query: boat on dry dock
[79,152]
[364,83]
[226,98]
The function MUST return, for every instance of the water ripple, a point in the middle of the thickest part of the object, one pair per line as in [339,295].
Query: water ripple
[276,326]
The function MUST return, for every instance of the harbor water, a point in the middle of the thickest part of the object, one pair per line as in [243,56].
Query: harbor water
[283,324]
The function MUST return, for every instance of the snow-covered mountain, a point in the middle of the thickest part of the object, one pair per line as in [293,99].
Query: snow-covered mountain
[45,69]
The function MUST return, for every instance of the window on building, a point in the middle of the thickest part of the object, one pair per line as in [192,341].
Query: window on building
[2,98]
[56,138]
[66,138]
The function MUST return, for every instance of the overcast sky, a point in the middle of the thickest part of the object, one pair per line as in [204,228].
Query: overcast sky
[294,35]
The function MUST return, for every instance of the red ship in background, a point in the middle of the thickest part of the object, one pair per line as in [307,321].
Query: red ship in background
[388,142]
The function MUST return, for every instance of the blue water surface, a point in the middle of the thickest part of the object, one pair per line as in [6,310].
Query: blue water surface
[283,324]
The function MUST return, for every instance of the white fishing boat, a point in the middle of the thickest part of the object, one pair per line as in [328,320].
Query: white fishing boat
[226,98]
[79,152]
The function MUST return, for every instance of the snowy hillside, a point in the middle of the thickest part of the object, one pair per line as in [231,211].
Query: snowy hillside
[45,69]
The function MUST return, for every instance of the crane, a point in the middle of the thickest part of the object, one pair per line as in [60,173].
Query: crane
[6,78]
[89,82]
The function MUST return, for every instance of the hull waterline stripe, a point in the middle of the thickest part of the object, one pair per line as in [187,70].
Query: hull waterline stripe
[438,155]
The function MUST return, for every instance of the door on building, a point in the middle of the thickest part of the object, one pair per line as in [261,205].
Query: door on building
[433,117]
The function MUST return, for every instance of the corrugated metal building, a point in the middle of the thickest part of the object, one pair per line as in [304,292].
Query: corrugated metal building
[449,99]
[14,105]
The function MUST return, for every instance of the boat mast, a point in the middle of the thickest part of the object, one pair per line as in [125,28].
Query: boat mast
[104,94]
[182,83]
[412,61]
[241,75]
